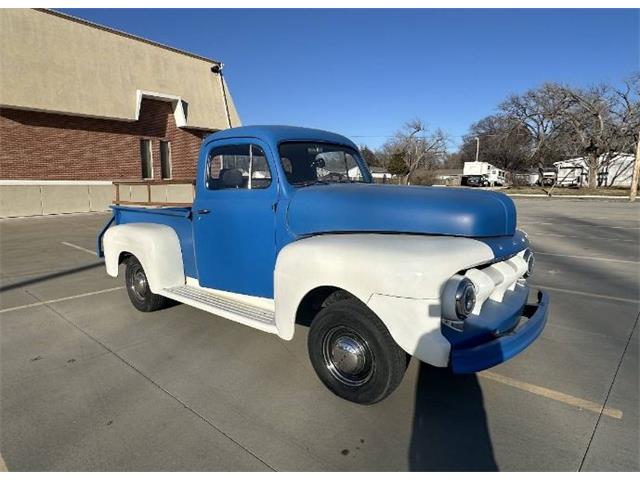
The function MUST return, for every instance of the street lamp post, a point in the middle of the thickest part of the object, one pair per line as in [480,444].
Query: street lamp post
[636,171]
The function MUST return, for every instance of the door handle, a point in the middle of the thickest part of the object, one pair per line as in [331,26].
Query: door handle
[204,211]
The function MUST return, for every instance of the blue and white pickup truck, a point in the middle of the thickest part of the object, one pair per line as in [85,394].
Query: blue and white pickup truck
[287,227]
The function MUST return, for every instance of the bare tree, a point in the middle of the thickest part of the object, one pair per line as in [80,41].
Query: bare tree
[626,115]
[537,112]
[418,147]
[595,123]
[601,122]
[504,142]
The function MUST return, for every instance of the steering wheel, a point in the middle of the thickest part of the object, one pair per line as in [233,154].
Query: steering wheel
[333,175]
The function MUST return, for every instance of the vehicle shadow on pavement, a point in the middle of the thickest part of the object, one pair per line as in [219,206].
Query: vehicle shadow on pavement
[49,276]
[449,424]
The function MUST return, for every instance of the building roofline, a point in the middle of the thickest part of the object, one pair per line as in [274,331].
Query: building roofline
[125,34]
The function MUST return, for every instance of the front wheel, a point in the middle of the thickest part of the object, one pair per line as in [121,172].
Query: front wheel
[138,289]
[354,354]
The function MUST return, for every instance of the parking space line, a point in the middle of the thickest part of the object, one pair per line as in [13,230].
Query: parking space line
[579,225]
[560,235]
[554,395]
[606,398]
[585,257]
[62,299]
[129,364]
[526,218]
[587,294]
[3,466]
[78,247]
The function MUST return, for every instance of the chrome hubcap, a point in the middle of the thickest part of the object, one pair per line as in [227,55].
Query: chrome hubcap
[347,356]
[138,283]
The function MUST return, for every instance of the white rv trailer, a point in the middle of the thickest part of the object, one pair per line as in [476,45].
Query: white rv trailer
[481,174]
[613,171]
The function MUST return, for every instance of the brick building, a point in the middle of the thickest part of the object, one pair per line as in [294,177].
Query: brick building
[51,146]
[81,103]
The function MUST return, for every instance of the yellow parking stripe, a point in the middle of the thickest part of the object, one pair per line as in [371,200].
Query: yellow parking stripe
[553,395]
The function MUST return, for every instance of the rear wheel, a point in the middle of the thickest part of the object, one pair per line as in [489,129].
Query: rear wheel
[354,354]
[138,288]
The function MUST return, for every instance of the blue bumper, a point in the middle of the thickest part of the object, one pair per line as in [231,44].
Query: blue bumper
[507,345]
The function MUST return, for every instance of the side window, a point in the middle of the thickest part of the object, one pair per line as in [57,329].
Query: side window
[146,159]
[239,167]
[165,160]
[353,170]
[260,176]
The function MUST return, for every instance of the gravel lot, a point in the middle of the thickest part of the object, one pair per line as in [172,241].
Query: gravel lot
[89,383]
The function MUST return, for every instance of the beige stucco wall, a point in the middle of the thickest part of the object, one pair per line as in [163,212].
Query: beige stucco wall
[25,199]
[56,64]
[20,201]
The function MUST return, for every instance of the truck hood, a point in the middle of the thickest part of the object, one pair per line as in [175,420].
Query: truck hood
[398,209]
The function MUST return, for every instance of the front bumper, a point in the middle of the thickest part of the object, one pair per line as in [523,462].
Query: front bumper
[505,345]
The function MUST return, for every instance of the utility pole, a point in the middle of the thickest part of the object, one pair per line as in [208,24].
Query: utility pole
[636,171]
[478,148]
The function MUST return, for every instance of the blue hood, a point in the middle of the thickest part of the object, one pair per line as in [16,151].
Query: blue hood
[390,208]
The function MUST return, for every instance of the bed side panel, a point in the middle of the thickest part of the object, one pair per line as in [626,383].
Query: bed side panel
[177,218]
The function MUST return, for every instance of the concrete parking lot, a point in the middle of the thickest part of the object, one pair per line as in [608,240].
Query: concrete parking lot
[89,383]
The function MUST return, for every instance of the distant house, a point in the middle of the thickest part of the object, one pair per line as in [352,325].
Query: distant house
[447,176]
[379,174]
[532,177]
[527,178]
[615,171]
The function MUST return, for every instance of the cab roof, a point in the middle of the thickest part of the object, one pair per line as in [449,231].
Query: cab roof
[275,134]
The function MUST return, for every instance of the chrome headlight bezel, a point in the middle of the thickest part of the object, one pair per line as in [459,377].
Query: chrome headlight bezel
[530,258]
[465,298]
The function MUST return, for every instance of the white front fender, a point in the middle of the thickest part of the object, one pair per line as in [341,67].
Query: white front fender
[400,277]
[157,247]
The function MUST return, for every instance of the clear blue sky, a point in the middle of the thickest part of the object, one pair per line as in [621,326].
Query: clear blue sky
[366,72]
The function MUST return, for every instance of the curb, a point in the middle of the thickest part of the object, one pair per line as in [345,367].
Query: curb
[537,195]
[51,215]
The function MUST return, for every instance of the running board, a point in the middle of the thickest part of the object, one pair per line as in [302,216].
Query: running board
[223,306]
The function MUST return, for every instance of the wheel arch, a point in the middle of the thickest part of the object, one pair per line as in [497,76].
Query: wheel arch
[122,258]
[156,247]
[316,299]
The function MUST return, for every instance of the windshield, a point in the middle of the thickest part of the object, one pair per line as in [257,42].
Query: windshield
[310,163]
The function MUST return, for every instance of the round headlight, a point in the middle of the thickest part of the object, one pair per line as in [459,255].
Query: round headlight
[465,298]
[531,261]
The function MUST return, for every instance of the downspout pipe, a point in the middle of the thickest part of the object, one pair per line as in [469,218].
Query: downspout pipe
[217,69]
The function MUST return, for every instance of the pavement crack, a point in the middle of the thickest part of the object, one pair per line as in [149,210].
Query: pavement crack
[606,398]
[153,382]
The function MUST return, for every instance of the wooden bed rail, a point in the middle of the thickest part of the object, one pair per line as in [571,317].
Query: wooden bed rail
[149,184]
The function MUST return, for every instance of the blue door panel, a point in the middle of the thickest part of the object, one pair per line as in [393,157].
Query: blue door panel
[235,240]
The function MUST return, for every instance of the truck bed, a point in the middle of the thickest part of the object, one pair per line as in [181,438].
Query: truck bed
[178,218]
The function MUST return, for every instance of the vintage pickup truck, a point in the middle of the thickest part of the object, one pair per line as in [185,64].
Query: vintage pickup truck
[287,228]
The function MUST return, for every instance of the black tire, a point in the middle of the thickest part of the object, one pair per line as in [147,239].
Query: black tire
[354,354]
[138,288]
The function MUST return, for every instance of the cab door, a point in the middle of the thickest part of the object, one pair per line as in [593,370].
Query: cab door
[234,218]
